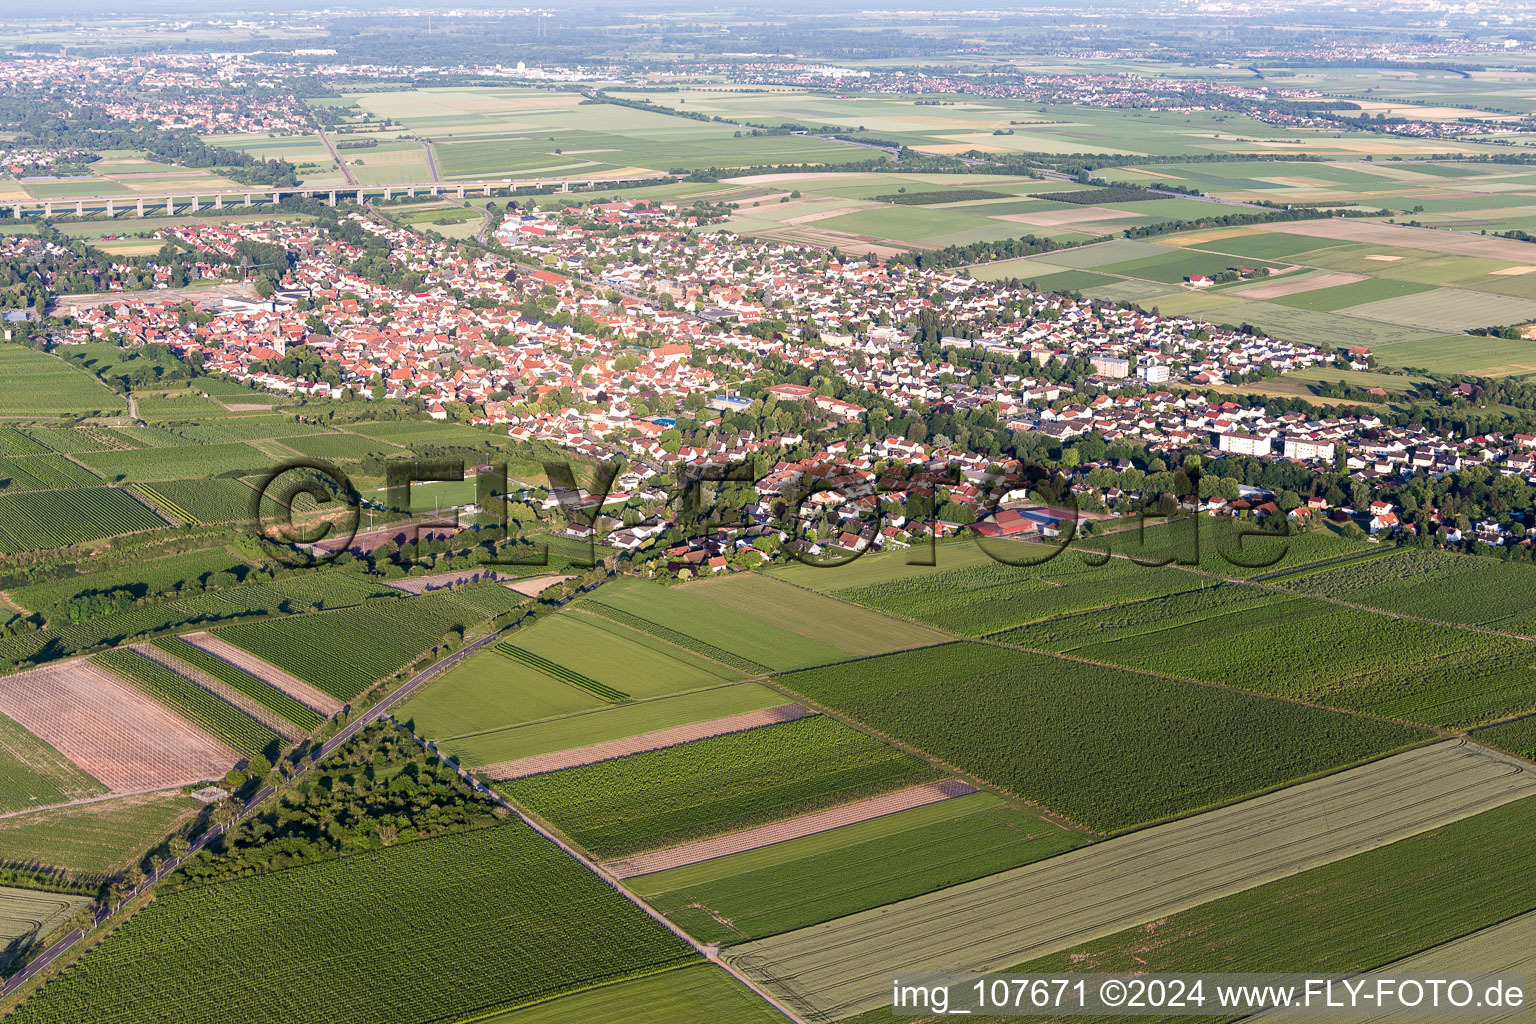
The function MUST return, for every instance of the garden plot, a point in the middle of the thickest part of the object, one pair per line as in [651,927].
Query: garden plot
[844,967]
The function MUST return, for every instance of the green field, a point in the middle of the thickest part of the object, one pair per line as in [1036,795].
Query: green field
[36,775]
[748,623]
[628,661]
[487,693]
[698,994]
[1390,667]
[345,652]
[806,881]
[358,923]
[28,916]
[714,786]
[1106,748]
[1346,917]
[263,693]
[94,840]
[582,727]
[48,519]
[37,385]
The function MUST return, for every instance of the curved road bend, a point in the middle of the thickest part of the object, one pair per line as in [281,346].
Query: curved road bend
[368,717]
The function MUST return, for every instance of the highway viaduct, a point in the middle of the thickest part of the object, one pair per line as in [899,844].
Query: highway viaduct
[171,204]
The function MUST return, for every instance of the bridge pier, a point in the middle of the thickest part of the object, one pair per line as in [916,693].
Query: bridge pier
[565,186]
[141,207]
[194,204]
[359,197]
[79,208]
[47,209]
[111,212]
[170,206]
[333,197]
[18,211]
[276,197]
[434,190]
[461,191]
[218,201]
[411,192]
[247,199]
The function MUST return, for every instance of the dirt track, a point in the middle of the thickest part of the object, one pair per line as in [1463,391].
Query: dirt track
[273,676]
[792,828]
[657,740]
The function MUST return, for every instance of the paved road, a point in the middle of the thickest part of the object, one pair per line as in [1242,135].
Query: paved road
[431,160]
[341,165]
[351,729]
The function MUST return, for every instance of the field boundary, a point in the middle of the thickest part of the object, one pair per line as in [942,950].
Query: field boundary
[660,739]
[798,827]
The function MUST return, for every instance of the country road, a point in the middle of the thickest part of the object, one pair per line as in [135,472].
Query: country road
[370,716]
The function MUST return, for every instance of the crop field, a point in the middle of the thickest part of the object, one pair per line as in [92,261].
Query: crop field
[986,598]
[720,620]
[97,839]
[845,966]
[28,916]
[718,785]
[206,501]
[156,464]
[357,922]
[899,211]
[630,662]
[1504,948]
[340,446]
[1404,292]
[698,994]
[14,442]
[237,678]
[33,774]
[499,131]
[601,691]
[143,578]
[657,740]
[345,652]
[49,519]
[36,384]
[474,701]
[1435,675]
[192,702]
[855,630]
[805,881]
[1220,546]
[608,724]
[1437,585]
[109,729]
[1344,917]
[43,472]
[268,674]
[1093,743]
[1518,736]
